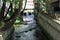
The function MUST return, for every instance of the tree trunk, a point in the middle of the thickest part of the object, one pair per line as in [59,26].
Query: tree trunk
[8,11]
[9,22]
[2,11]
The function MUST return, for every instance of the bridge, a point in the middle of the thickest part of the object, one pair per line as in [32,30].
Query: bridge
[45,26]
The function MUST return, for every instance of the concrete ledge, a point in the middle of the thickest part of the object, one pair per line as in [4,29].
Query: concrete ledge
[4,35]
[51,21]
[52,27]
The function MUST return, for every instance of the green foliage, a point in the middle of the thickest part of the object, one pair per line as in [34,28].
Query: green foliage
[16,2]
[9,12]
[18,20]
[1,24]
[43,5]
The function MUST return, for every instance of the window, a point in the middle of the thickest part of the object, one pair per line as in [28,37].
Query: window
[24,14]
[29,13]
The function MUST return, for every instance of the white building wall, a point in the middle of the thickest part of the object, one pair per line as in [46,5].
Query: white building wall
[30,4]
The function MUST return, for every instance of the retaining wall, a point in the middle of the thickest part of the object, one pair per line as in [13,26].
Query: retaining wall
[6,35]
[51,26]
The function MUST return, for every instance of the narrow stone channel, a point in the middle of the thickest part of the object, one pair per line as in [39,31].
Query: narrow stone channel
[28,32]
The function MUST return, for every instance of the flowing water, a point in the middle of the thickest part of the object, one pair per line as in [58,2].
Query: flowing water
[28,32]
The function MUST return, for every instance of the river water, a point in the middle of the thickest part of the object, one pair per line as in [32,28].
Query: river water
[29,31]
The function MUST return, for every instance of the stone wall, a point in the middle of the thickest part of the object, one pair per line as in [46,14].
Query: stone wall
[6,35]
[53,1]
[52,27]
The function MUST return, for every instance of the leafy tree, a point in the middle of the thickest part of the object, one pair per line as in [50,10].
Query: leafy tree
[44,5]
[9,21]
